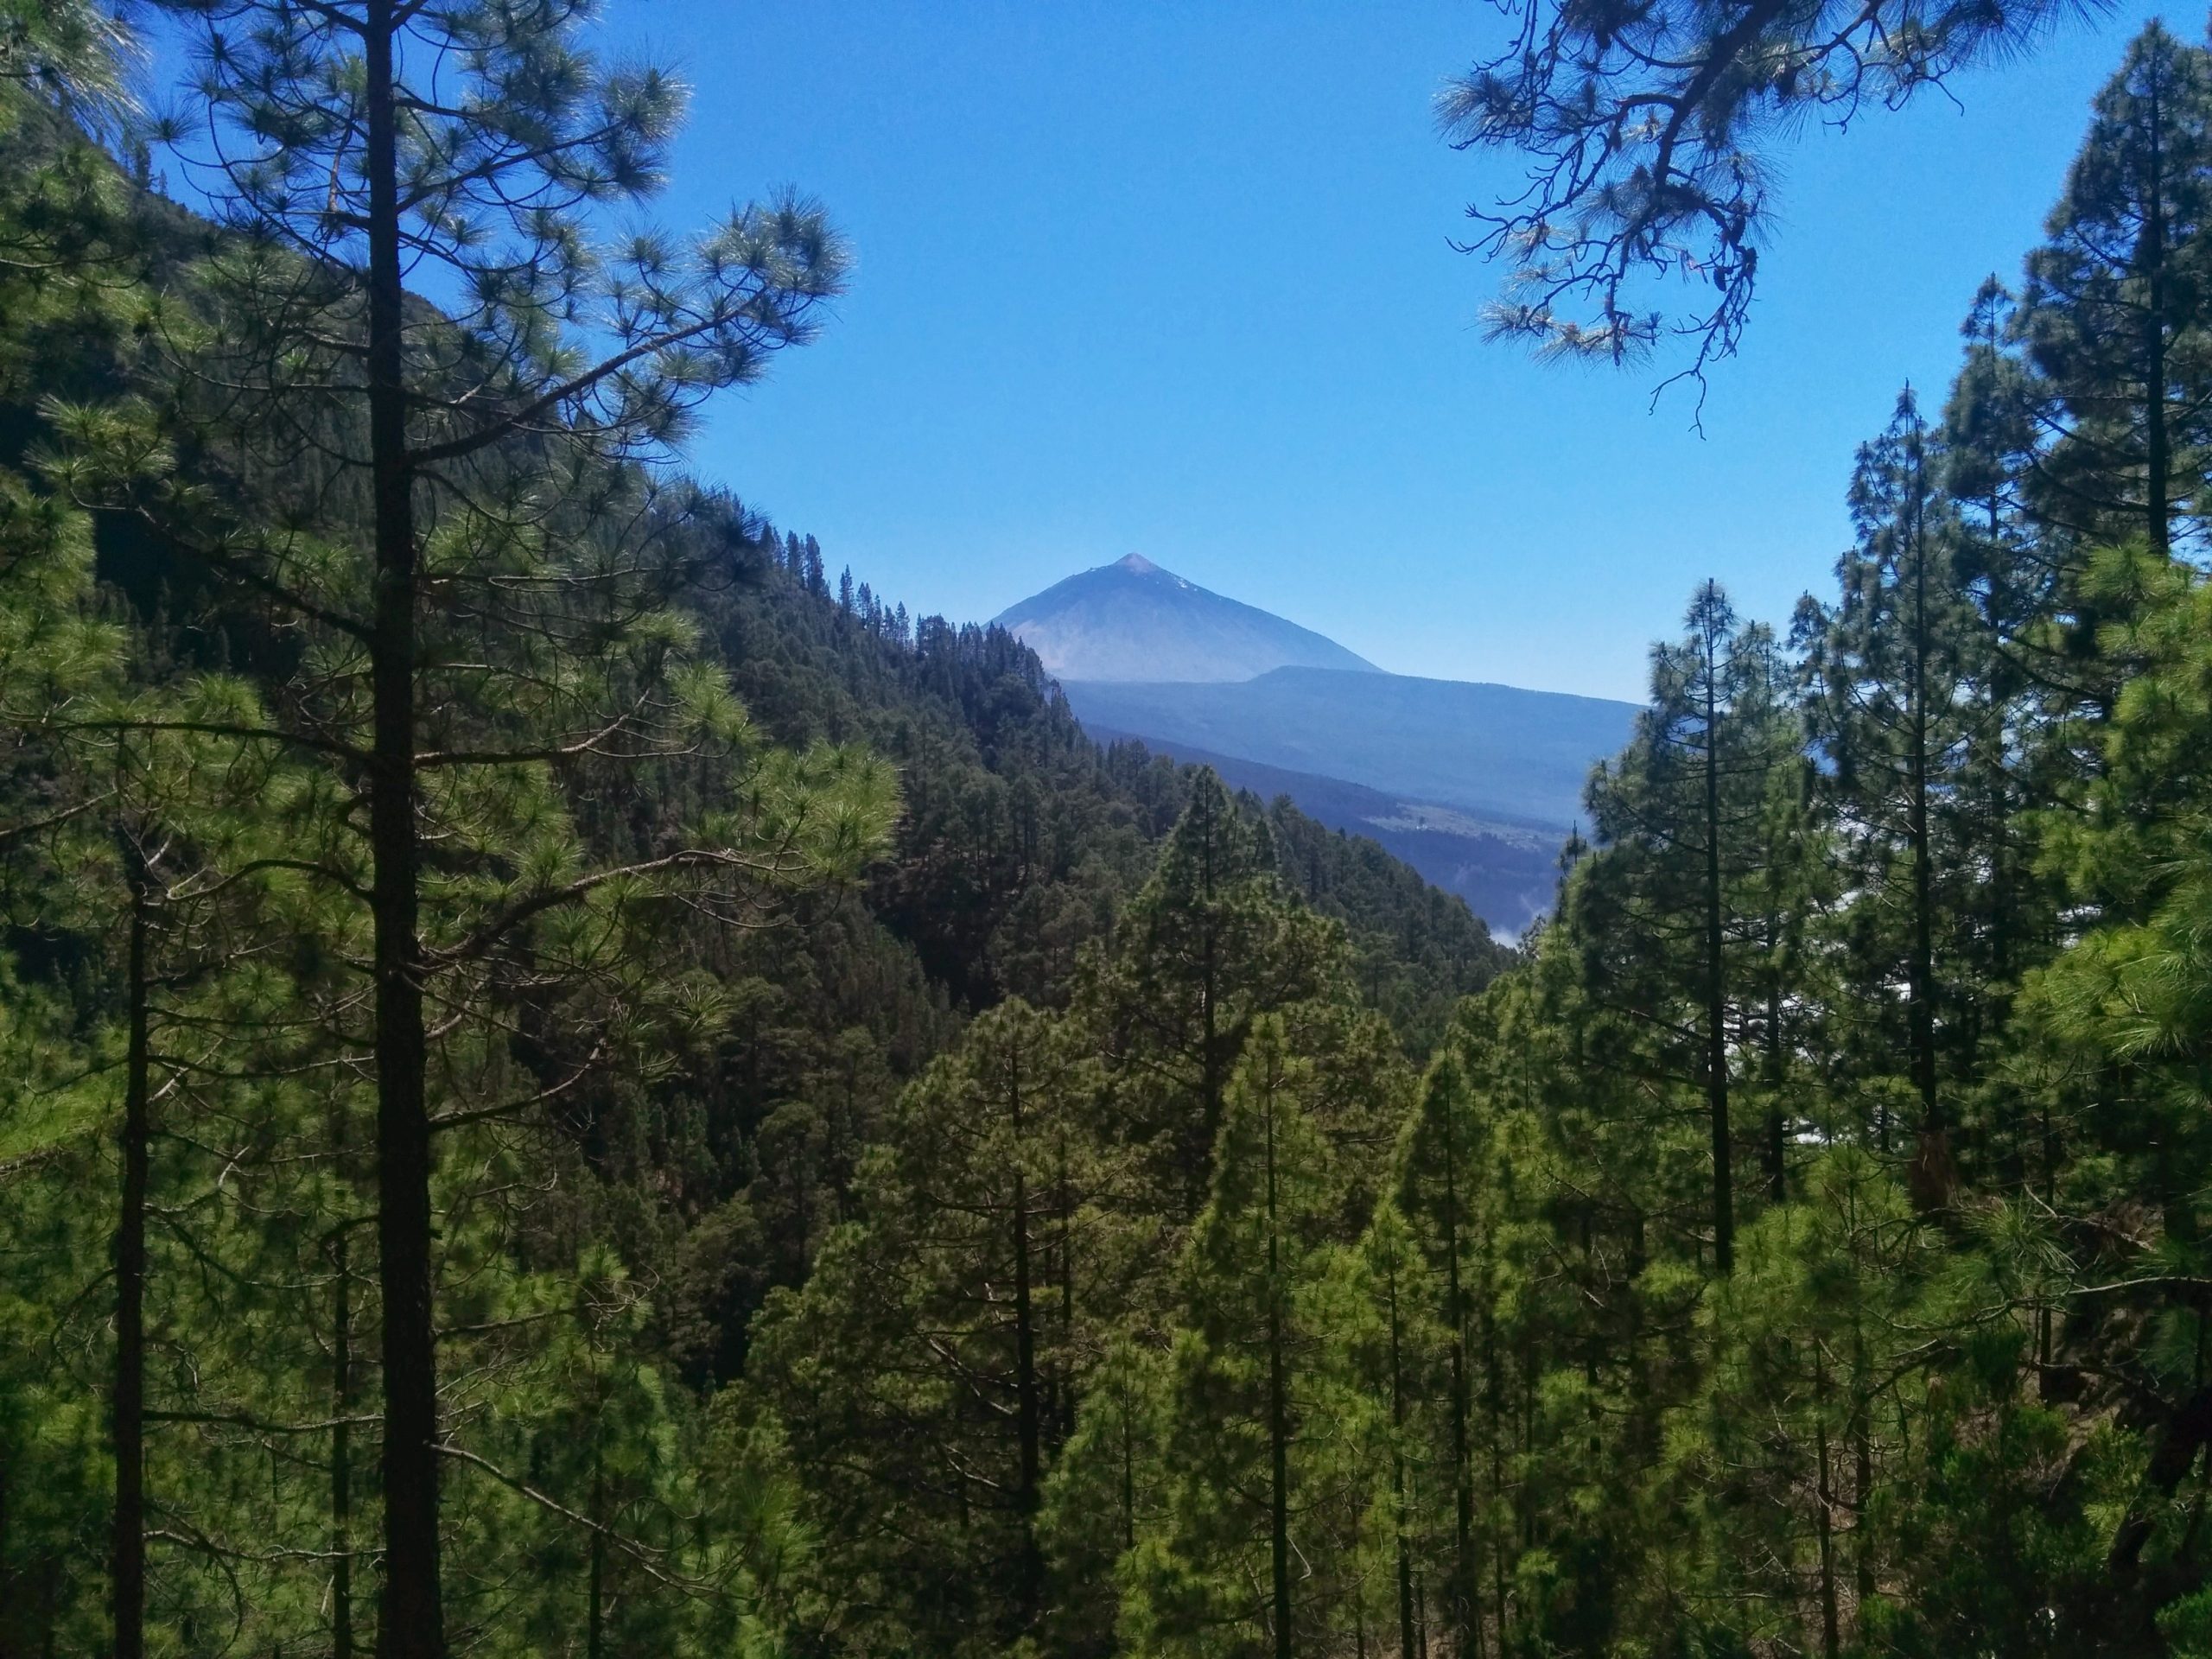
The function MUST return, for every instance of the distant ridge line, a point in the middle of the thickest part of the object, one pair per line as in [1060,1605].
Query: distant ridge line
[1135,620]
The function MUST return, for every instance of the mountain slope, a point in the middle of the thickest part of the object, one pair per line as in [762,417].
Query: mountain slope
[1132,620]
[1508,873]
[1496,751]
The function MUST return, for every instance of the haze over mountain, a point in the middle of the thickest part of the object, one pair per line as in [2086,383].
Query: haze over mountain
[1475,785]
[1495,750]
[1506,872]
[1132,620]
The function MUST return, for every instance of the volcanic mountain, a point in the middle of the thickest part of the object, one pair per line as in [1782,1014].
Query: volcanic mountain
[1132,620]
[1476,786]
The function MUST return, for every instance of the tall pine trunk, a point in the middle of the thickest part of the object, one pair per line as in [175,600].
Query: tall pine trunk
[1921,979]
[1463,1474]
[1716,1004]
[1405,1562]
[1494,1399]
[1028,1414]
[1278,1418]
[1777,1136]
[341,1446]
[1831,1640]
[128,1569]
[595,1584]
[2157,457]
[412,1622]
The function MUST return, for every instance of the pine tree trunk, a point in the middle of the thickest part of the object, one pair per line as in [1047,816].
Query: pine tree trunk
[1716,1005]
[1278,1419]
[1128,1475]
[1922,986]
[1463,1474]
[10,1580]
[1209,1066]
[128,1573]
[341,1450]
[412,1623]
[1778,1138]
[1862,1489]
[1064,1381]
[1398,1475]
[1494,1398]
[595,1587]
[1029,1420]
[1831,1638]
[2046,1383]
[2001,897]
[2157,453]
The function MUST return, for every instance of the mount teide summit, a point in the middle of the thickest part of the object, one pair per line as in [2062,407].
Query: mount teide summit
[1132,620]
[1474,786]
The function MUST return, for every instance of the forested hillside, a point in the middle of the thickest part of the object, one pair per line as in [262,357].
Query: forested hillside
[569,1083]
[730,852]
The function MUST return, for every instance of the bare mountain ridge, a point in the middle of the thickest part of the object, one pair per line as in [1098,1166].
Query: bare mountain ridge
[1132,620]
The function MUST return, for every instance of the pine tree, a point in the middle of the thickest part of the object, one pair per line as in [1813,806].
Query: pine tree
[1399,1339]
[502,617]
[2007,568]
[1441,1173]
[1659,911]
[1210,945]
[1781,1498]
[952,1332]
[1245,1444]
[1893,712]
[2112,312]
[1107,1491]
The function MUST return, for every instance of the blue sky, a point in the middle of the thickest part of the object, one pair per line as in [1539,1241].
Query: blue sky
[1176,280]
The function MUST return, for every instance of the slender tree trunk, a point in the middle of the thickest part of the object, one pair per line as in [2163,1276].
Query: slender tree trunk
[1525,1498]
[412,1622]
[1494,1399]
[1029,1418]
[1994,682]
[2157,449]
[1210,1069]
[342,1448]
[10,1580]
[1129,1472]
[1463,1474]
[1922,986]
[1064,1381]
[595,1587]
[1831,1638]
[1862,1483]
[1406,1639]
[2045,1382]
[127,1571]
[1716,1002]
[1278,1418]
[1777,1137]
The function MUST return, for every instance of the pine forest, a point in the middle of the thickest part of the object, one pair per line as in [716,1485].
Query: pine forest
[573,1081]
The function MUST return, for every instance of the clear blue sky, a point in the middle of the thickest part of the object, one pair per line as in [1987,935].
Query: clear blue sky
[1176,280]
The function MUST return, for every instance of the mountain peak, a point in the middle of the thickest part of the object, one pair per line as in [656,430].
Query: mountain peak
[1132,620]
